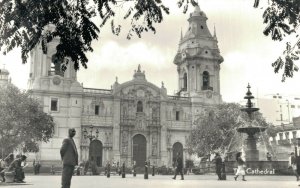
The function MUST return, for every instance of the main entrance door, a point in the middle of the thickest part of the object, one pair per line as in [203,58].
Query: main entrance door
[95,153]
[177,148]
[139,150]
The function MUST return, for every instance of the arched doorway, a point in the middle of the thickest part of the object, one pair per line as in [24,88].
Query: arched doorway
[95,154]
[177,148]
[139,150]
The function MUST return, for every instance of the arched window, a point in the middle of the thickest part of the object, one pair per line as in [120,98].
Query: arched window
[139,106]
[56,66]
[185,81]
[205,79]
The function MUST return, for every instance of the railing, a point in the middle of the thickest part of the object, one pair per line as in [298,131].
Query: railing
[178,98]
[284,142]
[132,122]
[207,88]
[52,73]
[97,91]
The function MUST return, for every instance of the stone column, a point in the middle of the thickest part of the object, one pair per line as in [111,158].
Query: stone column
[252,154]
[116,130]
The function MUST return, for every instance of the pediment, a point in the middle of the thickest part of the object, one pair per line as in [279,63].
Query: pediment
[138,90]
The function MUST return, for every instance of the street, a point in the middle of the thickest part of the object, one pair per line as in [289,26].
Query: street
[158,181]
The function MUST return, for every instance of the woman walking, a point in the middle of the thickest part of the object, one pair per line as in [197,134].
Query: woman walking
[241,168]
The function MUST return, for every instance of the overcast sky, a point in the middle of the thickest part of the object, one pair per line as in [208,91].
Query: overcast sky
[247,53]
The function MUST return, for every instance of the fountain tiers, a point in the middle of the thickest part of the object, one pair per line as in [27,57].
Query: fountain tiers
[252,154]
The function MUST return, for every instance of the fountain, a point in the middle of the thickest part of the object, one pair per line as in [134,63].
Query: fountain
[252,154]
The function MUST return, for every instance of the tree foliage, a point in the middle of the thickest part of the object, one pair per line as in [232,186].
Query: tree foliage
[216,130]
[282,19]
[27,23]
[22,121]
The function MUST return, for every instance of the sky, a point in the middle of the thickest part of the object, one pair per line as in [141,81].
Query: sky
[247,53]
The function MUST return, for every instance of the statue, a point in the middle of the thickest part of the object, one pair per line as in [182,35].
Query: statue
[168,138]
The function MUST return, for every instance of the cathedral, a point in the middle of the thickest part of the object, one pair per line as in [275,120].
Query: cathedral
[135,120]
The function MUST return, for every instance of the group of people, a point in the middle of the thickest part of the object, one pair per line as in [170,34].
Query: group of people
[220,167]
[69,157]
[14,166]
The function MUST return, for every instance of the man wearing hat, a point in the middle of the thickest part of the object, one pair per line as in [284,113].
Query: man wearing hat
[293,164]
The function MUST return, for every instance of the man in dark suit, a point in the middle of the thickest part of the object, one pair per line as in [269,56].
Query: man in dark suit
[179,166]
[69,156]
[218,162]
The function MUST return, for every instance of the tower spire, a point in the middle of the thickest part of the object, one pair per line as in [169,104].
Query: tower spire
[215,35]
[181,35]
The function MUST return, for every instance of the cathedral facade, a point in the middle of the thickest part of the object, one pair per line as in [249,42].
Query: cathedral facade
[135,120]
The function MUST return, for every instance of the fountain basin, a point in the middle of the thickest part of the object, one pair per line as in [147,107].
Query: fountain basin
[251,130]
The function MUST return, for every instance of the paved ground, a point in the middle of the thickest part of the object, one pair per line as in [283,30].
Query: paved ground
[191,181]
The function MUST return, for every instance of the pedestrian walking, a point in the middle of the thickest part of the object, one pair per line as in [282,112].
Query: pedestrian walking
[34,168]
[118,169]
[108,170]
[38,167]
[269,156]
[293,165]
[123,171]
[134,169]
[218,163]
[241,167]
[146,170]
[223,172]
[179,167]
[153,170]
[69,156]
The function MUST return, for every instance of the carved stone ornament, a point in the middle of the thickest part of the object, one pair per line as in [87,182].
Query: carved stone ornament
[56,80]
[209,94]
[140,93]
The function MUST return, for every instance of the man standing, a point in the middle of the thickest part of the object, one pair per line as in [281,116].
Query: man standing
[69,156]
[293,164]
[179,166]
[218,162]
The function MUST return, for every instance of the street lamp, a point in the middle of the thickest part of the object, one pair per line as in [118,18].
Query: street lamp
[288,105]
[90,136]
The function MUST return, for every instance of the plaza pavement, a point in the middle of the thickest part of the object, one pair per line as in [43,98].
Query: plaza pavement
[158,181]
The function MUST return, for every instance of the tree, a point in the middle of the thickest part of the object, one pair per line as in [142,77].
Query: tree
[282,19]
[23,124]
[216,130]
[27,23]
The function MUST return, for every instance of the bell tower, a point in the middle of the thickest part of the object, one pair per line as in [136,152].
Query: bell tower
[198,61]
[45,69]
[59,93]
